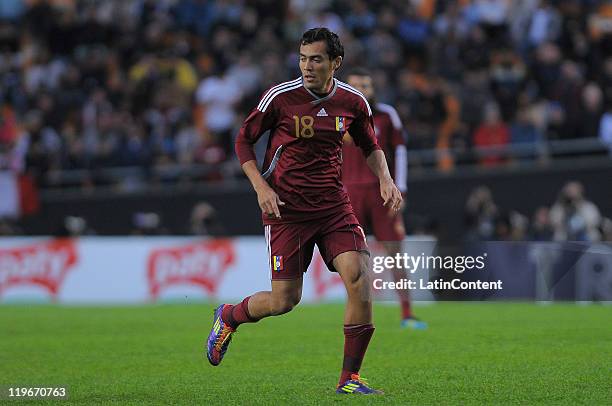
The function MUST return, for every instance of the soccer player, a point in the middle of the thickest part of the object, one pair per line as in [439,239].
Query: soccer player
[362,184]
[303,201]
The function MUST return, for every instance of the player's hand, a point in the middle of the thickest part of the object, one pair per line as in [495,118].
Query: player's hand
[390,194]
[269,201]
[393,213]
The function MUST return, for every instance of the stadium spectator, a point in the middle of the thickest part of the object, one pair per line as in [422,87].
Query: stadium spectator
[492,15]
[475,93]
[502,227]
[541,228]
[507,76]
[492,135]
[605,128]
[573,37]
[147,223]
[246,74]
[383,48]
[74,226]
[361,21]
[450,23]
[567,92]
[546,68]
[204,221]
[433,114]
[525,137]
[325,17]
[480,215]
[574,218]
[445,46]
[188,141]
[606,230]
[544,25]
[474,50]
[592,110]
[219,96]
[413,32]
[11,10]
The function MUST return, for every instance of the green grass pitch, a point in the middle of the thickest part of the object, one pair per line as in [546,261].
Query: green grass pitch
[473,353]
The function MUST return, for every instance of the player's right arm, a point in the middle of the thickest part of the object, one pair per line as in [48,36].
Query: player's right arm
[266,197]
[257,123]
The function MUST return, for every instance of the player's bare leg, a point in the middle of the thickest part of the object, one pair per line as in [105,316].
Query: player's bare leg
[353,269]
[284,296]
[358,329]
[391,249]
[408,320]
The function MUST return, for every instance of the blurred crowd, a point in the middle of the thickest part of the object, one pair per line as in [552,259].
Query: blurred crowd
[94,84]
[572,217]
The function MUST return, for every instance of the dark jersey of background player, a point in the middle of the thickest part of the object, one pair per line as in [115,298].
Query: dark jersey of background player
[304,155]
[362,184]
[388,129]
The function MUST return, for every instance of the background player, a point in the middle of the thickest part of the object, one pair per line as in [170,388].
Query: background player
[362,185]
[303,201]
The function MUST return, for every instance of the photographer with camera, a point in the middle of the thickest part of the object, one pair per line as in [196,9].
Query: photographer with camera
[573,217]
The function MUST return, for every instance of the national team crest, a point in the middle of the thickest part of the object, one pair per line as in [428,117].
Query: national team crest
[277,263]
[339,123]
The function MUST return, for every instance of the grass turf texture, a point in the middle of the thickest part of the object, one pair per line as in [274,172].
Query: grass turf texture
[473,353]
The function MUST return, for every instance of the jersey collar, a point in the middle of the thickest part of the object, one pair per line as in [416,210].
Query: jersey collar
[318,99]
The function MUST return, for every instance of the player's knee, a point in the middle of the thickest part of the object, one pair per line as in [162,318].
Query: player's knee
[281,307]
[358,274]
[285,304]
[356,280]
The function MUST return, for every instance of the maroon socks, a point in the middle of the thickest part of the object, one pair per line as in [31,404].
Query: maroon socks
[406,310]
[356,340]
[235,315]
[356,336]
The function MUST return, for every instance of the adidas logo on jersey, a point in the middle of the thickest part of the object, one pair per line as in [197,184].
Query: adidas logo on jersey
[322,113]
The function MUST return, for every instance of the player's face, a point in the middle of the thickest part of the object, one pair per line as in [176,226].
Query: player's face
[362,83]
[317,69]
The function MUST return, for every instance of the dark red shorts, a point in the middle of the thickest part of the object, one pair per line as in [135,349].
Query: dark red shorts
[291,245]
[368,207]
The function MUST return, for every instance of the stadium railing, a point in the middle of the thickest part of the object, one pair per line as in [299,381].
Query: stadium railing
[549,153]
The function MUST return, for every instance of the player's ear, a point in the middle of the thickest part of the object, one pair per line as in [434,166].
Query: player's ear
[337,62]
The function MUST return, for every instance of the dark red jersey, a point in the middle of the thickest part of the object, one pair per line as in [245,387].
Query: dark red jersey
[304,155]
[388,128]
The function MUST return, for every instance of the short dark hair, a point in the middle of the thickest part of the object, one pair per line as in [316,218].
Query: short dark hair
[359,72]
[331,39]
